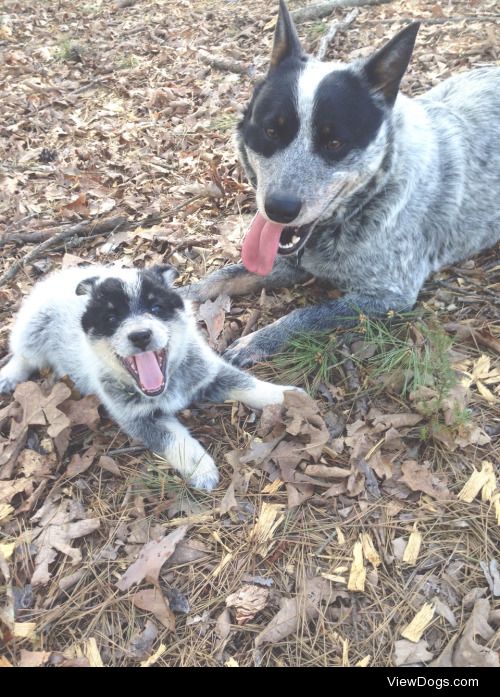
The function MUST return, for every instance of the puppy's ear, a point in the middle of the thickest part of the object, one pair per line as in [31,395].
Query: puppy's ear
[385,68]
[86,286]
[286,42]
[165,273]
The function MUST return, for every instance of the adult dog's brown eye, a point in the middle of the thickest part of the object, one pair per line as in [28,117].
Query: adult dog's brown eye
[271,132]
[333,145]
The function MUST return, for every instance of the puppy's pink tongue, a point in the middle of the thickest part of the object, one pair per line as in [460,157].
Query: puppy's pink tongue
[260,245]
[150,375]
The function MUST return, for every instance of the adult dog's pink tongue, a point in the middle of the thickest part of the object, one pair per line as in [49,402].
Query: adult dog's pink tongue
[150,375]
[260,245]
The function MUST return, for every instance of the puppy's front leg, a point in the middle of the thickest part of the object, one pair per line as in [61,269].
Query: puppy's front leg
[165,435]
[325,317]
[236,280]
[232,383]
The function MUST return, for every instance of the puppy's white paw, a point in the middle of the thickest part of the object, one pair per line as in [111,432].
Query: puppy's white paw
[14,372]
[8,381]
[205,474]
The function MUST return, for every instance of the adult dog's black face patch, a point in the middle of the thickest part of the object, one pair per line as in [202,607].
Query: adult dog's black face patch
[108,306]
[345,116]
[156,299]
[271,121]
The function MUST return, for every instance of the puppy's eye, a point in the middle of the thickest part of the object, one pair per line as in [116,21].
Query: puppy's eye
[271,133]
[333,145]
[156,309]
[111,319]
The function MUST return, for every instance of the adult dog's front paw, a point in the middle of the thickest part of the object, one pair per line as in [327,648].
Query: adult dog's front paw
[255,347]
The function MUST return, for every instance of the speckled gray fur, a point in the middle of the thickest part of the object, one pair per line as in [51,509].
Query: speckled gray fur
[424,194]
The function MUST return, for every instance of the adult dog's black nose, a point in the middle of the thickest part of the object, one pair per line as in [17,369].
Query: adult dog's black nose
[282,208]
[141,339]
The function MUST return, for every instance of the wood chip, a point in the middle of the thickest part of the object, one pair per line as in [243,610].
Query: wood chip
[357,576]
[412,549]
[484,479]
[369,550]
[154,657]
[418,625]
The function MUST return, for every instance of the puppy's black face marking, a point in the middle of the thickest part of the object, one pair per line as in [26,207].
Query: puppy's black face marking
[109,305]
[155,298]
[271,121]
[345,116]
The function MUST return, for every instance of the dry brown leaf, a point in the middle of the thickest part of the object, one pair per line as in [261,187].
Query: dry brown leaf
[33,659]
[305,606]
[463,651]
[492,576]
[153,601]
[56,531]
[248,601]
[386,421]
[223,625]
[188,551]
[229,500]
[38,410]
[213,313]
[9,489]
[82,412]
[142,642]
[418,477]
[107,463]
[408,652]
[327,471]
[298,493]
[150,560]
[80,463]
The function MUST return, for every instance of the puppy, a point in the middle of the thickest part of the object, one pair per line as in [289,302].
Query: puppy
[127,336]
[360,186]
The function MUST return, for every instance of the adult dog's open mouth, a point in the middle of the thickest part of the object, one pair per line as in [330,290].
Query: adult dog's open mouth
[265,239]
[148,370]
[294,238]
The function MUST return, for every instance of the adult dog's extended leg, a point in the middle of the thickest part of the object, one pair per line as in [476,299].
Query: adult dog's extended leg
[325,317]
[236,280]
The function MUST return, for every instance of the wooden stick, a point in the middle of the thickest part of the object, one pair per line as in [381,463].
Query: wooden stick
[323,9]
[335,27]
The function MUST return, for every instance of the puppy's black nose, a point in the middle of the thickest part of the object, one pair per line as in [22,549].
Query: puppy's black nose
[141,339]
[282,208]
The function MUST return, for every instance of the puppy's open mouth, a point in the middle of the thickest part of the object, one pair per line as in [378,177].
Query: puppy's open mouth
[148,370]
[293,238]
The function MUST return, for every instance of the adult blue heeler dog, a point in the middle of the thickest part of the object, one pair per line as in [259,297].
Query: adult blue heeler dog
[358,185]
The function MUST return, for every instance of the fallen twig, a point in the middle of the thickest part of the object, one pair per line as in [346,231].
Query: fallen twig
[52,236]
[252,320]
[360,406]
[334,28]
[225,65]
[323,9]
[36,253]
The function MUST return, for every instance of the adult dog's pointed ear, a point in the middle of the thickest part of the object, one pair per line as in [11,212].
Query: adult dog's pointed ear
[385,69]
[286,42]
[86,286]
[166,273]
